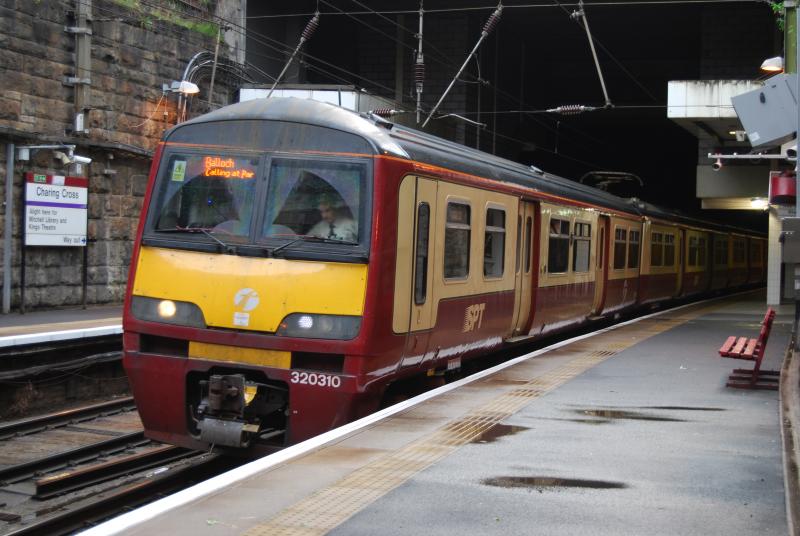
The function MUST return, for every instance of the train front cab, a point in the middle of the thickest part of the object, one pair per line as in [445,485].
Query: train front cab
[240,332]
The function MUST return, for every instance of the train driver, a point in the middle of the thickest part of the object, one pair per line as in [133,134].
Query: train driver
[334,223]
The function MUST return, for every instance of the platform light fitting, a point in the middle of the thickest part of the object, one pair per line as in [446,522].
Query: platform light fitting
[69,158]
[772,65]
[759,203]
[184,87]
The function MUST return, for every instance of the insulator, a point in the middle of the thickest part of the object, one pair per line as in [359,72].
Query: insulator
[419,72]
[493,20]
[311,27]
[383,112]
[572,109]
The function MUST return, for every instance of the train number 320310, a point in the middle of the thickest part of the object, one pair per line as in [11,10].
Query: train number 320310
[311,378]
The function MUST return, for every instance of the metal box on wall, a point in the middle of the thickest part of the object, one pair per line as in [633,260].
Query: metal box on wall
[769,114]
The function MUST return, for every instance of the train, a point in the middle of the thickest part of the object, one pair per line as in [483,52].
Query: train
[295,261]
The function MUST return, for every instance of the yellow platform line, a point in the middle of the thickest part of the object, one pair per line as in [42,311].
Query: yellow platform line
[326,509]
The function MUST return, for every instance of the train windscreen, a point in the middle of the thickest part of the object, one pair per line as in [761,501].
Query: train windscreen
[302,207]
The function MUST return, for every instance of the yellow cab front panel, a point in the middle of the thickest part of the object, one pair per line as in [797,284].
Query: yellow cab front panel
[248,293]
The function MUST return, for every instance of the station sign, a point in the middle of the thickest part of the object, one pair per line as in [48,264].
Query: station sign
[55,210]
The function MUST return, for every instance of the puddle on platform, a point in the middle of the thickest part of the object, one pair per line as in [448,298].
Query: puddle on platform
[541,482]
[683,408]
[497,431]
[586,421]
[623,414]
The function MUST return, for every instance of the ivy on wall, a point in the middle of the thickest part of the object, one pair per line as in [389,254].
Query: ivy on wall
[171,13]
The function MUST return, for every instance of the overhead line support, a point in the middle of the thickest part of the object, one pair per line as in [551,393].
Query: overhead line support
[487,28]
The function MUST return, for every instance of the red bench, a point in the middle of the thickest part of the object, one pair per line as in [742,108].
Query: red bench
[751,350]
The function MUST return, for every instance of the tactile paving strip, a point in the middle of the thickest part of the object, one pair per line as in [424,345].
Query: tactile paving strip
[324,510]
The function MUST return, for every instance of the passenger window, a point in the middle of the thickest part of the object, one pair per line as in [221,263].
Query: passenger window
[527,245]
[456,241]
[701,251]
[739,254]
[669,250]
[721,252]
[633,249]
[693,251]
[494,243]
[620,245]
[558,254]
[421,256]
[581,247]
[657,249]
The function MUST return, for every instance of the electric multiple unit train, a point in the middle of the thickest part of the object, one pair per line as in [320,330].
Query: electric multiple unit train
[294,260]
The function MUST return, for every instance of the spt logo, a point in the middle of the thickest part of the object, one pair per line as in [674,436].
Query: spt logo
[246,299]
[473,317]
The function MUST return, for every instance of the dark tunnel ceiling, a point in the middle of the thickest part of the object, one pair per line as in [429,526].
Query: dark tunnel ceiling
[542,56]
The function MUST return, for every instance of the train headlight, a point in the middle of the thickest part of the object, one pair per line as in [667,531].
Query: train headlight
[167,312]
[311,326]
[167,309]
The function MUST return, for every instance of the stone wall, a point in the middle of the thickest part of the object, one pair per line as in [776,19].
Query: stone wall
[136,47]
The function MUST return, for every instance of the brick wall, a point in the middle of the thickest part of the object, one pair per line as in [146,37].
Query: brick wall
[134,50]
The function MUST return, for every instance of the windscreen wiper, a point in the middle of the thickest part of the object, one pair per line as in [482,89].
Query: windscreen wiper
[312,238]
[229,248]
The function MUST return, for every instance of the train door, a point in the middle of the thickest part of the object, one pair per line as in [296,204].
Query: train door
[413,295]
[523,296]
[601,265]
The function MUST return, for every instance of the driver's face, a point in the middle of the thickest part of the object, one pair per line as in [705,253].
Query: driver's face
[326,212]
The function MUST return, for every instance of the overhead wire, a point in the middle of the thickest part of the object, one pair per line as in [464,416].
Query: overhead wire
[281,47]
[517,6]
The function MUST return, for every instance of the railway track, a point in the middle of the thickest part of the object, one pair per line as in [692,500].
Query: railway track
[66,417]
[139,490]
[63,471]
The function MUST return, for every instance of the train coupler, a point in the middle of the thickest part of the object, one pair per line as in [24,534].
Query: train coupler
[234,411]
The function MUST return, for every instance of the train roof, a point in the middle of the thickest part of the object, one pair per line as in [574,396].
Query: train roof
[400,141]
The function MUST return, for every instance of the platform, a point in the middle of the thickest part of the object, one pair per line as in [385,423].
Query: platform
[628,431]
[58,325]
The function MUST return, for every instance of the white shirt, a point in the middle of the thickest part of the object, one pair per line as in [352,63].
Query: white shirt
[341,229]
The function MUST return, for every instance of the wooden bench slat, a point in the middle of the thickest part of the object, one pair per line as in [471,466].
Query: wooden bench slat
[739,346]
[750,348]
[725,349]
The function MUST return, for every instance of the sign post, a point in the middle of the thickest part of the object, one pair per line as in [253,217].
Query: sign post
[55,210]
[55,215]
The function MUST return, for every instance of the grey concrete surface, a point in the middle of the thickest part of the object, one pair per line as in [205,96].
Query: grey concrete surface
[690,455]
[59,319]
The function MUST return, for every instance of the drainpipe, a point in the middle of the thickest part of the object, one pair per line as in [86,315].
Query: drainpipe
[8,228]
